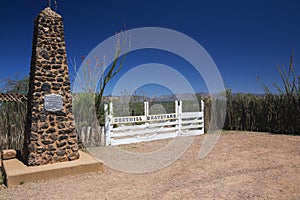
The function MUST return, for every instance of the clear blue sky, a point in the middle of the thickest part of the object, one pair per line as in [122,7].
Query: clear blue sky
[245,38]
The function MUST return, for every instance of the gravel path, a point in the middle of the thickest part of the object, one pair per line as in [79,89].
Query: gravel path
[242,165]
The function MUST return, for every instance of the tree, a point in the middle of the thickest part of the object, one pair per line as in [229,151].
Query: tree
[15,85]
[84,103]
[288,77]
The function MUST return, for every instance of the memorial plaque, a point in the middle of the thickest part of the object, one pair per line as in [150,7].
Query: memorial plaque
[53,102]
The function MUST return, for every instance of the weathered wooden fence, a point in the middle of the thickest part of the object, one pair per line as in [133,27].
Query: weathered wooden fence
[12,120]
[92,136]
[133,129]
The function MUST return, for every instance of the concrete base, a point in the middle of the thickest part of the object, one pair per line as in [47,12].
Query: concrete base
[17,173]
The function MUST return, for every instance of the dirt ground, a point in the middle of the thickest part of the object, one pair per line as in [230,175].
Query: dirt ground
[242,165]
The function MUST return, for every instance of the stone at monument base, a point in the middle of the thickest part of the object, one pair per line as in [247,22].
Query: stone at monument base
[8,154]
[17,173]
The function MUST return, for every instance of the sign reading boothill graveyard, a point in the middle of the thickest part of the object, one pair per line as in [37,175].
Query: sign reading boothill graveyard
[53,102]
[149,118]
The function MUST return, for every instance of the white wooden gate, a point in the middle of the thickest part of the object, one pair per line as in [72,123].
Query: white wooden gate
[133,129]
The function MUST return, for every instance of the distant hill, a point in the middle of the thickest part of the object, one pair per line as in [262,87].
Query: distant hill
[173,97]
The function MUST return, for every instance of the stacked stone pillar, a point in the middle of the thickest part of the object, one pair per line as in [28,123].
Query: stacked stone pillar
[50,134]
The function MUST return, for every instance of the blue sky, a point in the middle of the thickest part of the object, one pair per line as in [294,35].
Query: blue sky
[244,38]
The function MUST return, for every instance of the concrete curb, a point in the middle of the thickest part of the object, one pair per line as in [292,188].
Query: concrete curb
[17,173]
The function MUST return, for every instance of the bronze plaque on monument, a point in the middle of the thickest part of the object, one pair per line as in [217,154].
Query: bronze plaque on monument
[53,102]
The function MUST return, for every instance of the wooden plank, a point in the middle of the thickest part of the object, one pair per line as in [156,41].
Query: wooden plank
[13,97]
[145,139]
[191,133]
[191,115]
[144,126]
[141,132]
[191,121]
[192,126]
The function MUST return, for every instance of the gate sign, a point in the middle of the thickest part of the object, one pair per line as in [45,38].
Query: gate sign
[129,119]
[161,117]
[53,102]
[133,119]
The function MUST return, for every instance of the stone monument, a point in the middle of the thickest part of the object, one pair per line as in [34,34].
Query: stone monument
[50,134]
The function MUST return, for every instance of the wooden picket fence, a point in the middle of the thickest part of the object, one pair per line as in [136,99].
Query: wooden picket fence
[133,129]
[92,136]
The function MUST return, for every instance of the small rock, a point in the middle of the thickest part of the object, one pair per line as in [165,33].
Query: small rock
[73,156]
[56,66]
[43,118]
[34,128]
[8,154]
[46,56]
[60,80]
[56,86]
[66,83]
[38,84]
[34,137]
[61,144]
[46,142]
[31,147]
[70,130]
[40,149]
[60,125]
[45,126]
[61,152]
[51,118]
[60,119]
[63,137]
[51,130]
[61,51]
[75,147]
[60,113]
[46,29]
[53,137]
[51,148]
[46,87]
[71,142]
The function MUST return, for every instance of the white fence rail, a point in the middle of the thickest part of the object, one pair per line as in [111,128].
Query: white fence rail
[133,129]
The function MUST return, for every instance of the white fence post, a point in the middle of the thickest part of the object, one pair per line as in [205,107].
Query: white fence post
[107,126]
[102,135]
[179,117]
[111,110]
[202,110]
[146,108]
[176,112]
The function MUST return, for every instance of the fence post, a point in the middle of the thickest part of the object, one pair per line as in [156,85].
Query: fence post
[111,111]
[102,136]
[146,108]
[107,126]
[88,137]
[203,118]
[179,116]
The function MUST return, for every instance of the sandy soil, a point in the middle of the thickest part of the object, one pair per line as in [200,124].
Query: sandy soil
[242,165]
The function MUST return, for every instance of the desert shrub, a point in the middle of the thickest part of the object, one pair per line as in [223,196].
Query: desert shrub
[277,112]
